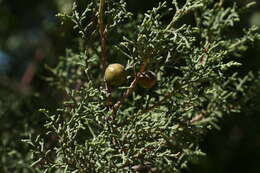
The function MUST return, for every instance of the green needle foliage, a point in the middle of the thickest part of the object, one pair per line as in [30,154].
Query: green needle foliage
[190,46]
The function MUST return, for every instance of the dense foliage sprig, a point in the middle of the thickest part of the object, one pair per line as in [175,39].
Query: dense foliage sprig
[100,128]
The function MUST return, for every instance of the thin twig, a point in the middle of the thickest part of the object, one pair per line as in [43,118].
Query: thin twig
[166,97]
[125,95]
[197,118]
[104,47]
[130,89]
[103,35]
[109,95]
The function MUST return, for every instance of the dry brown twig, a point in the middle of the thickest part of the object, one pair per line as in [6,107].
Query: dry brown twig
[197,118]
[104,47]
[131,88]
[103,35]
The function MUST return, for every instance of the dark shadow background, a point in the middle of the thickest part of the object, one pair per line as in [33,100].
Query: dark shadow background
[31,36]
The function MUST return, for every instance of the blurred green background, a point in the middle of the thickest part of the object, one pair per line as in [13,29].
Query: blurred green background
[31,36]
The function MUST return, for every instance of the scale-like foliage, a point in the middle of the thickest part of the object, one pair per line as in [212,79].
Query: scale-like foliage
[130,129]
